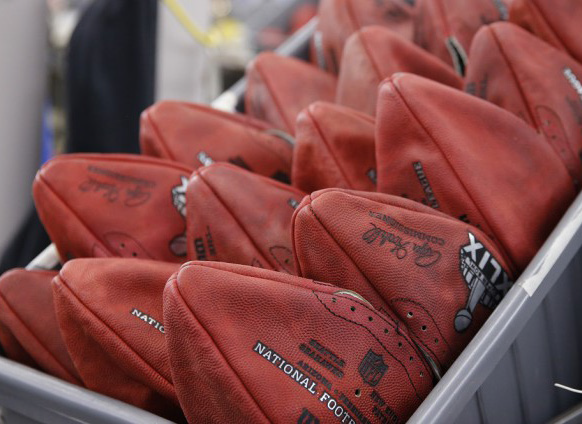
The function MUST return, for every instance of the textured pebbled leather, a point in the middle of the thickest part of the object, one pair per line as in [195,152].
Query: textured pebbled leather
[338,19]
[471,160]
[441,277]
[279,87]
[446,28]
[334,148]
[29,332]
[239,217]
[99,205]
[375,53]
[521,73]
[197,135]
[555,21]
[110,315]
[353,361]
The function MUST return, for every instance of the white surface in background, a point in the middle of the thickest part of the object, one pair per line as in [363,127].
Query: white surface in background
[184,70]
[23,75]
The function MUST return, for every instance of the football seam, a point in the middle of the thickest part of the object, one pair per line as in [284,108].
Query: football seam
[381,344]
[329,151]
[128,158]
[216,348]
[163,143]
[371,58]
[405,299]
[282,281]
[429,135]
[131,351]
[523,94]
[44,181]
[35,338]
[374,289]
[539,18]
[269,90]
[244,230]
[365,277]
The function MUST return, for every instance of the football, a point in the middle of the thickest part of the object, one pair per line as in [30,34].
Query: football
[537,82]
[441,277]
[100,205]
[278,100]
[445,28]
[555,21]
[239,217]
[198,135]
[29,331]
[278,348]
[471,160]
[334,148]
[110,315]
[375,53]
[338,19]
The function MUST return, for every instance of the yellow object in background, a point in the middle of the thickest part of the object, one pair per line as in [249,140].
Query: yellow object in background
[224,31]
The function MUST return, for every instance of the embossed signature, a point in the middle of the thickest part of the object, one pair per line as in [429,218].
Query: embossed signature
[424,255]
[134,196]
[400,248]
[110,191]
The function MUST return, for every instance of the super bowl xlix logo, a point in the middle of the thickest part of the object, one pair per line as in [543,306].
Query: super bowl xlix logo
[486,279]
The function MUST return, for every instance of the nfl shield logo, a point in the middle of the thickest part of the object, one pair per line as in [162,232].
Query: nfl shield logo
[372,368]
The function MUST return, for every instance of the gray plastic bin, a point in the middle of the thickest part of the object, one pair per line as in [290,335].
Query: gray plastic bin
[531,341]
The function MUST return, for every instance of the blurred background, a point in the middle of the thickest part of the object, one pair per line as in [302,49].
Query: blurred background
[76,74]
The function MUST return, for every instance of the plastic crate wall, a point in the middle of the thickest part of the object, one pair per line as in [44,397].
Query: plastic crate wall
[548,350]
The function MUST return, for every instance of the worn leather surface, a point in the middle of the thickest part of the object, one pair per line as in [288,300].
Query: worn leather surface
[239,217]
[279,87]
[227,360]
[334,148]
[421,263]
[556,21]
[114,205]
[110,315]
[446,28]
[197,135]
[338,19]
[29,329]
[375,53]
[537,82]
[471,160]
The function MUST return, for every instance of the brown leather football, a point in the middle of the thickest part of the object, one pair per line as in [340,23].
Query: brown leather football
[521,73]
[197,135]
[240,217]
[334,148]
[110,314]
[445,28]
[29,331]
[375,53]
[472,160]
[96,205]
[279,87]
[278,348]
[338,19]
[556,21]
[440,276]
